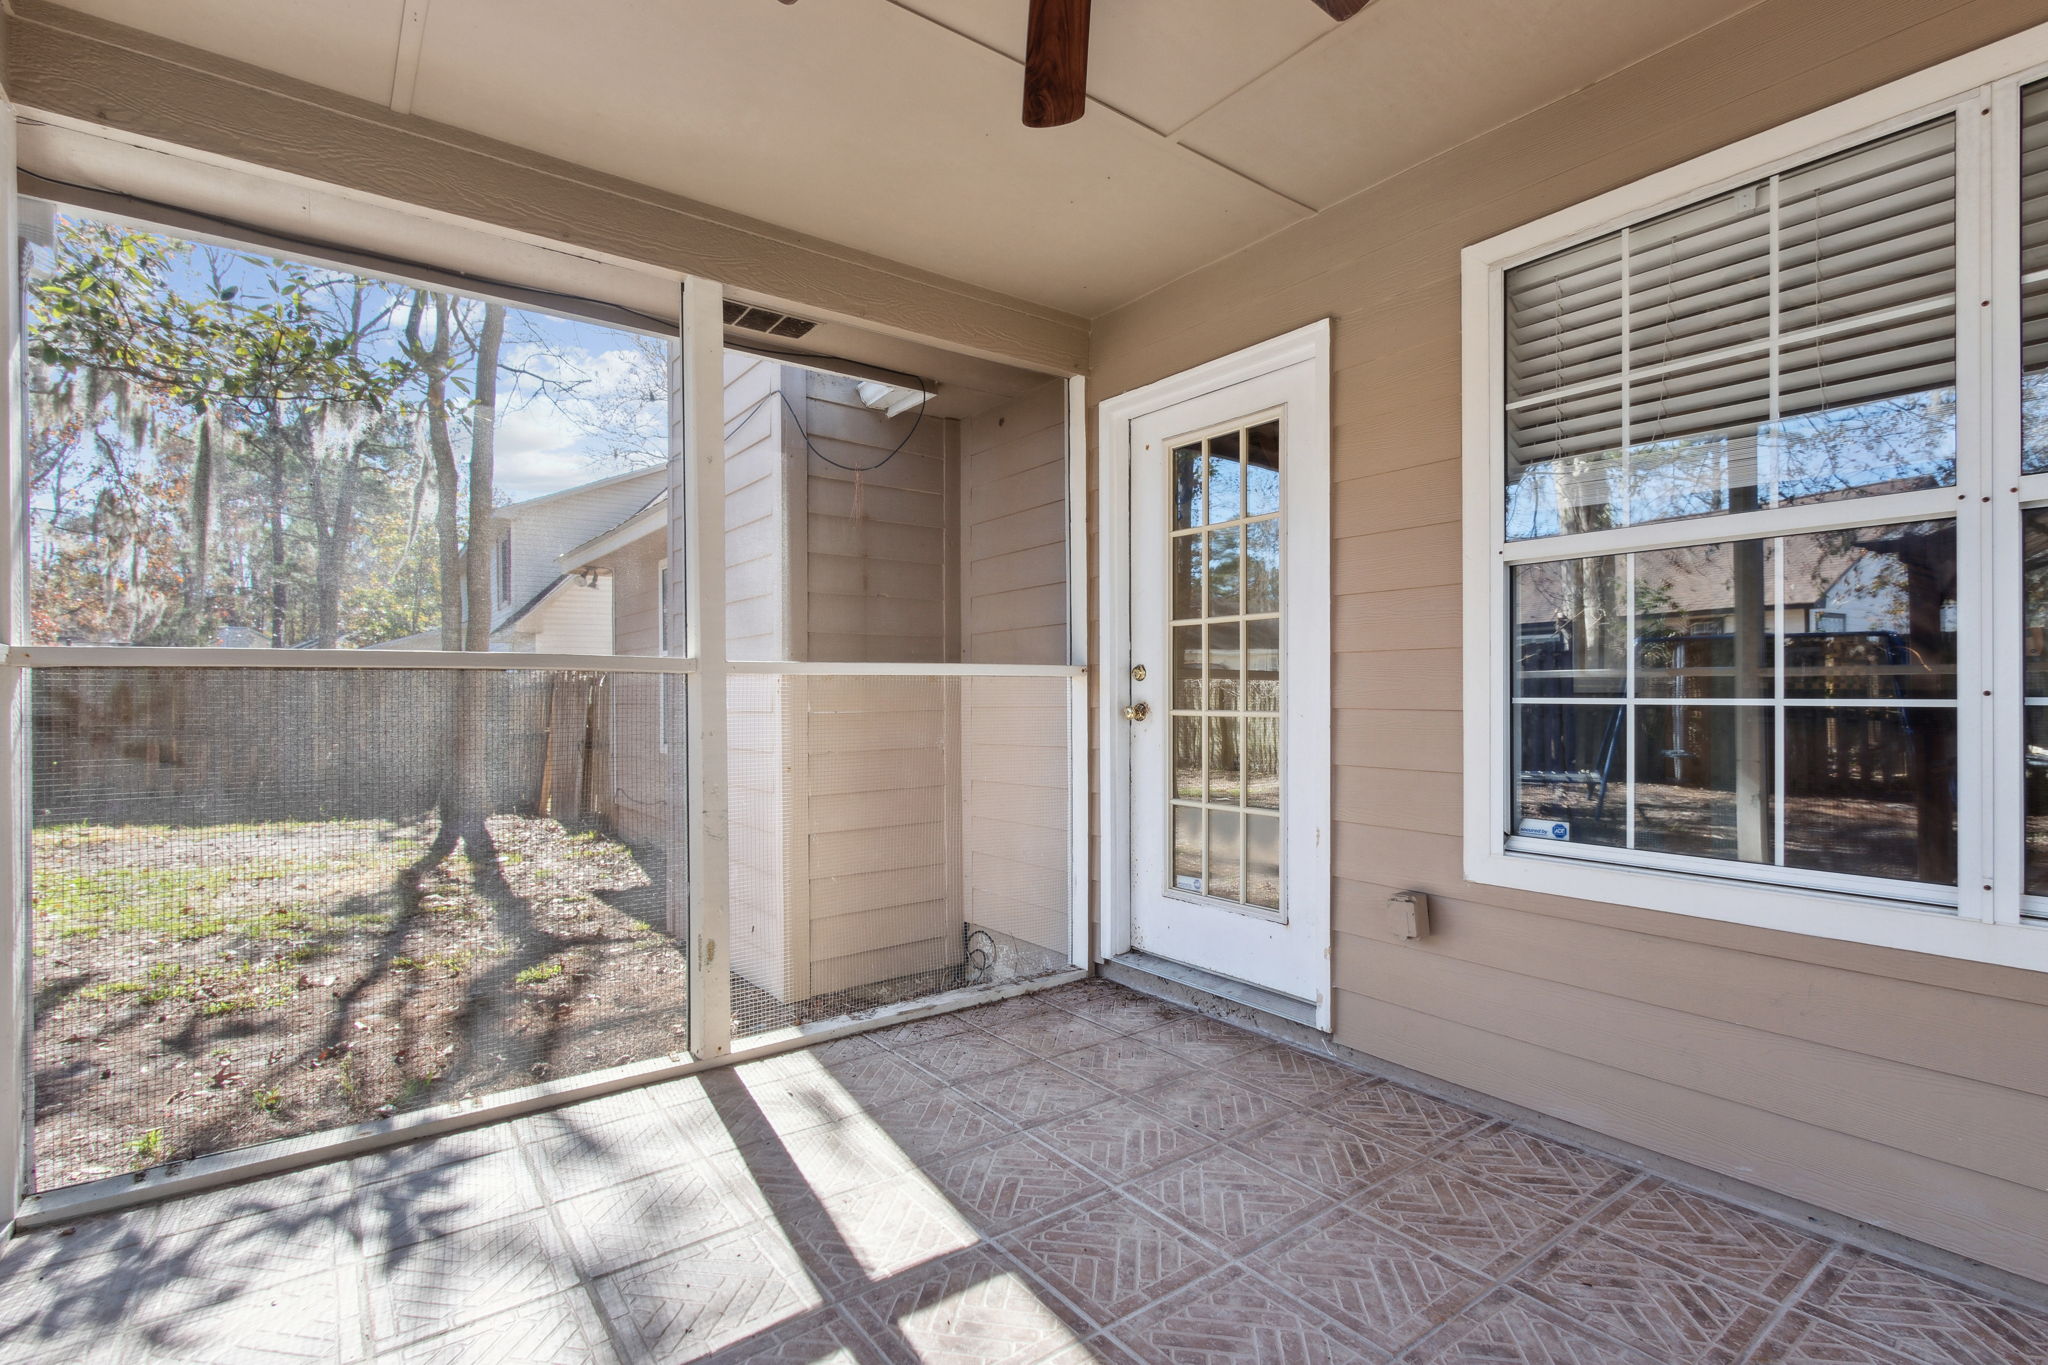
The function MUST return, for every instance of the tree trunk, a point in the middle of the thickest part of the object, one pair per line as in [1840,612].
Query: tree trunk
[471,777]
[483,456]
[202,510]
[276,510]
[433,361]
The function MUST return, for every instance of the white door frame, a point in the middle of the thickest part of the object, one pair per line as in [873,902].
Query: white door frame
[1307,787]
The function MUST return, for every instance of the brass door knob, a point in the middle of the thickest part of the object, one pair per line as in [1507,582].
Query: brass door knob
[1137,711]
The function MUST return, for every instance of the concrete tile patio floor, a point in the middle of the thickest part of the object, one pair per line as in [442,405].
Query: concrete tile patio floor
[1081,1175]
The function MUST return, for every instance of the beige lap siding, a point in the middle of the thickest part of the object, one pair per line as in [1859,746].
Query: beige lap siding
[1908,1091]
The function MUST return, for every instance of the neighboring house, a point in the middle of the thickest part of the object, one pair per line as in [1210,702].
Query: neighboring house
[536,607]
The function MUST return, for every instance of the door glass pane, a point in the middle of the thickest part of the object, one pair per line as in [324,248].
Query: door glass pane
[1225,684]
[1187,577]
[1262,565]
[1225,566]
[1187,486]
[1262,470]
[1226,479]
[1187,668]
[1262,762]
[1187,848]
[1226,760]
[1223,854]
[1262,664]
[1262,861]
[1187,757]
[1225,652]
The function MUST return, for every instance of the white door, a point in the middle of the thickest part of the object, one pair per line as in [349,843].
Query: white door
[1228,691]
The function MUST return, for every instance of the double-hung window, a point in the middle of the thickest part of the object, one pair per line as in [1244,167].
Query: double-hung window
[1757,529]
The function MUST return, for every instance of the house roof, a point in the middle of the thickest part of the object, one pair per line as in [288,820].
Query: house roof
[526,506]
[651,517]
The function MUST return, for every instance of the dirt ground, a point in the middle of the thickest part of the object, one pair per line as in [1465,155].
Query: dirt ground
[202,988]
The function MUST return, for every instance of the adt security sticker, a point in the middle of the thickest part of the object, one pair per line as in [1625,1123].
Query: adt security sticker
[1545,829]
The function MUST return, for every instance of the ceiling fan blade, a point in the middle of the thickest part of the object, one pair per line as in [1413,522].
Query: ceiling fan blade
[1340,10]
[1056,63]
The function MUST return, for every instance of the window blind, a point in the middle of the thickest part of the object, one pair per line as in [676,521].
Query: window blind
[2034,275]
[1822,288]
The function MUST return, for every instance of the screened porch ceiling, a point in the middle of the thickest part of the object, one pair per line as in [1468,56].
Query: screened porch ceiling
[891,126]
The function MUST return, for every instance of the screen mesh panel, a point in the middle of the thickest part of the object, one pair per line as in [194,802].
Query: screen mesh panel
[893,837]
[236,449]
[268,902]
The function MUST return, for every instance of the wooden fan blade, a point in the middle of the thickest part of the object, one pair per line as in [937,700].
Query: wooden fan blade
[1056,63]
[1340,10]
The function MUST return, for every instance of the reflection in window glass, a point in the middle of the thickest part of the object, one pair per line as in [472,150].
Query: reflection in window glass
[1872,612]
[1226,686]
[1570,621]
[1187,486]
[1828,631]
[1226,561]
[1703,781]
[1570,776]
[1871,791]
[1262,470]
[1704,624]
[2034,538]
[1226,479]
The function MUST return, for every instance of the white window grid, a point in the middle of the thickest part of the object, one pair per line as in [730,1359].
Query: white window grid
[1987,916]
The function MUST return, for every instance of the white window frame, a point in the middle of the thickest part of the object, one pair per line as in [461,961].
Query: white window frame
[1983,918]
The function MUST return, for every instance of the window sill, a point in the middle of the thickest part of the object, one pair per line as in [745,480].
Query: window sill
[1915,927]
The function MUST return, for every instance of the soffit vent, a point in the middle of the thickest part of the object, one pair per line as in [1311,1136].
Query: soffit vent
[765,320]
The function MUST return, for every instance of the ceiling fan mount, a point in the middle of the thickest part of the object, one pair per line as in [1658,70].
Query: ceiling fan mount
[1056,58]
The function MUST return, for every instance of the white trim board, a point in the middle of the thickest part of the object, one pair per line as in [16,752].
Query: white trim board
[1980,918]
[1309,550]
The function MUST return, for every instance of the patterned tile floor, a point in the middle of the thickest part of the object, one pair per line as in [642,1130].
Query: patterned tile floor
[1083,1175]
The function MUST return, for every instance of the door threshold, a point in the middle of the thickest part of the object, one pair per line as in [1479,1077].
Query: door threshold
[1179,974]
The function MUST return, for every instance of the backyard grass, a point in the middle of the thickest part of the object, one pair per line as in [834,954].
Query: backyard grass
[200,988]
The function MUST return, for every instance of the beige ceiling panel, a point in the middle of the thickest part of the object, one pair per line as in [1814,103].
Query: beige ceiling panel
[855,120]
[1160,61]
[345,45]
[1406,79]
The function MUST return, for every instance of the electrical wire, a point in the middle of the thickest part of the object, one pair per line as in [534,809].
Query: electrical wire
[858,468]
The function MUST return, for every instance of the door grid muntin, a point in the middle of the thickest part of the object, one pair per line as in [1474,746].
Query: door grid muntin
[1225,685]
